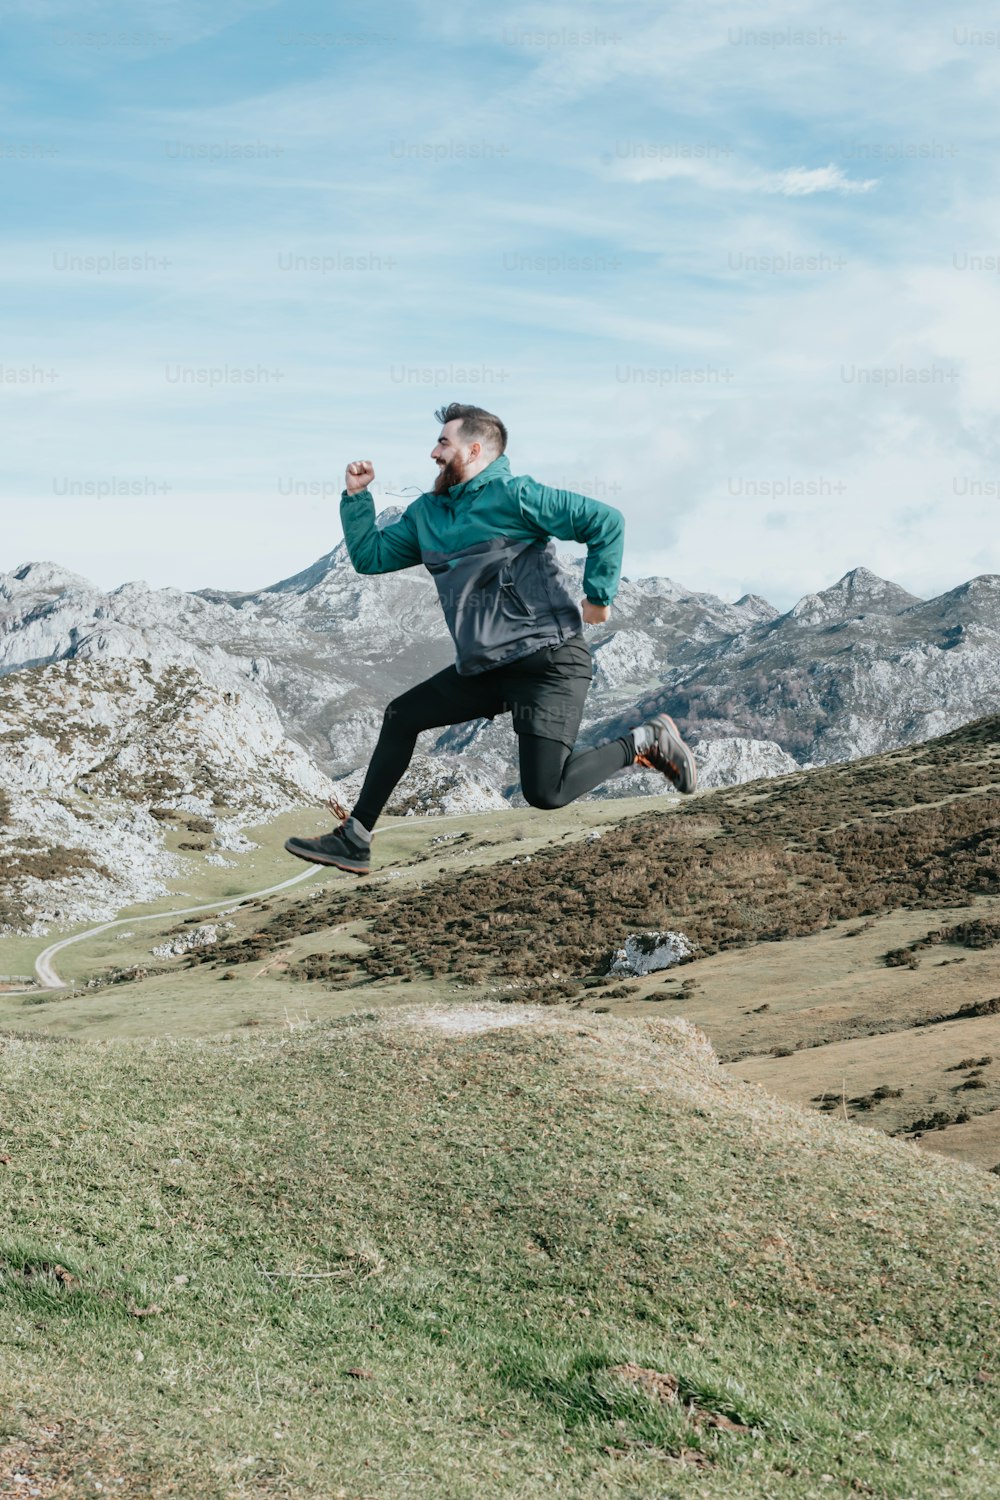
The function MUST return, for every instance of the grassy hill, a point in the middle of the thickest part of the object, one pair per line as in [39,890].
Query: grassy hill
[478,1250]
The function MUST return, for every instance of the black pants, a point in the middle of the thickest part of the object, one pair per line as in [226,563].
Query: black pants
[544,693]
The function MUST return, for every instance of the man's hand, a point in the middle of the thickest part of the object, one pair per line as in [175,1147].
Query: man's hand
[594,614]
[359,476]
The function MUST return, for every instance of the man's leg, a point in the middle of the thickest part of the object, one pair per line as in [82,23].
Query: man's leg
[552,774]
[442,700]
[547,694]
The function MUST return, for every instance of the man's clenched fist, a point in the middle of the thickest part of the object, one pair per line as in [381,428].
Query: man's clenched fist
[594,614]
[359,476]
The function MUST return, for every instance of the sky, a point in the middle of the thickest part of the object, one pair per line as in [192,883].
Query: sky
[733,269]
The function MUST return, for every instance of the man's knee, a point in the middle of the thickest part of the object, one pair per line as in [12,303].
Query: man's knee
[546,798]
[542,801]
[542,762]
[401,714]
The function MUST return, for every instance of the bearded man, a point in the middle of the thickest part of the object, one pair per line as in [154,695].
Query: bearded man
[485,536]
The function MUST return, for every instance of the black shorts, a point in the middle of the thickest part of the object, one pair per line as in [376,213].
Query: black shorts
[544,693]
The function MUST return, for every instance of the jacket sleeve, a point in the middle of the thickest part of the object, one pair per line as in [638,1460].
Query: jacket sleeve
[577,518]
[371,550]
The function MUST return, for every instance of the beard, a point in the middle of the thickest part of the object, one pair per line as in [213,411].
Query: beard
[452,473]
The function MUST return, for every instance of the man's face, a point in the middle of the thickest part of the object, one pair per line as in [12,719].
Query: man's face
[452,456]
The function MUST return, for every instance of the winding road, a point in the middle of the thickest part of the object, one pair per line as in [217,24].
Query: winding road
[47,977]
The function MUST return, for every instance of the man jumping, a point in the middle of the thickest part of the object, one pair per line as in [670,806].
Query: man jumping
[485,537]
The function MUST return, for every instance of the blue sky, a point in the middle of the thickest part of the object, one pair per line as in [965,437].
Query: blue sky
[733,269]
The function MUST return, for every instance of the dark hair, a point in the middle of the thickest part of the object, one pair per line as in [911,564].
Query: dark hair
[476,424]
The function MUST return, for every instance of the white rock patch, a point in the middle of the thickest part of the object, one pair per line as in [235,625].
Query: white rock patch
[185,942]
[645,952]
[630,656]
[731,761]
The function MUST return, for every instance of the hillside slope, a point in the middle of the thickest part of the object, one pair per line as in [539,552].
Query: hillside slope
[442,1253]
[916,828]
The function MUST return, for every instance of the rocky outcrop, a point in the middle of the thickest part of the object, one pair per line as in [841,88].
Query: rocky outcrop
[191,938]
[648,952]
[728,762]
[97,758]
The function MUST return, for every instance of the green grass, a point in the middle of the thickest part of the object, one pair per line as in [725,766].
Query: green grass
[486,1226]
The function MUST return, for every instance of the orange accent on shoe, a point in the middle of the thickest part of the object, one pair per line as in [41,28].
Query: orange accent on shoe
[339,811]
[641,760]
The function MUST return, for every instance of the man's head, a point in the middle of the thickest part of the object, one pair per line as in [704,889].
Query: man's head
[470,439]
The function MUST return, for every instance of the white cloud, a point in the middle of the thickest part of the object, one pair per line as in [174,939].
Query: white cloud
[792,182]
[799,182]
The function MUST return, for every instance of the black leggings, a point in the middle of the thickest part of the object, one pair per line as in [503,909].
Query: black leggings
[551,773]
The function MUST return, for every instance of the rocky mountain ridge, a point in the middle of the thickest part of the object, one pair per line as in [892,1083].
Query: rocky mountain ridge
[300,674]
[329,648]
[859,667]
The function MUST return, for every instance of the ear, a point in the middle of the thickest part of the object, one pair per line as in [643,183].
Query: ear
[475,449]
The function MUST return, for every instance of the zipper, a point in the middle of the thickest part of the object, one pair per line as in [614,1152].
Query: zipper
[516,598]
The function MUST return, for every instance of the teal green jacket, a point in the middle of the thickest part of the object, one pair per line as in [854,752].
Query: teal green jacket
[488,545]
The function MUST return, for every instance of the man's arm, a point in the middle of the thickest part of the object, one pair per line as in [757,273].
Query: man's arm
[371,550]
[577,518]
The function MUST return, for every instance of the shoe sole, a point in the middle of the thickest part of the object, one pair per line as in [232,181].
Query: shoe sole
[686,770]
[319,859]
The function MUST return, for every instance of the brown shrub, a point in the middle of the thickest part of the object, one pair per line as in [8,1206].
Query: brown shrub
[808,852]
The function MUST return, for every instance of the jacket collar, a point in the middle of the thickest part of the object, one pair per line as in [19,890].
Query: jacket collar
[498,469]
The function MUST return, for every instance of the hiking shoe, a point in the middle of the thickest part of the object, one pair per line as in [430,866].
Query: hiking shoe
[342,847]
[669,754]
